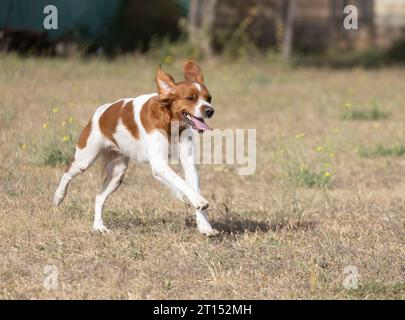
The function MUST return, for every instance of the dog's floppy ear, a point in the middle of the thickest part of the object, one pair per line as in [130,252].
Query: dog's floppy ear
[192,72]
[165,83]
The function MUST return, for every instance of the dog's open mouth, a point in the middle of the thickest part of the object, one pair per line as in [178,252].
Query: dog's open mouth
[194,122]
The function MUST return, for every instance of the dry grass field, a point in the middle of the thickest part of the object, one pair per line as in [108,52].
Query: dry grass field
[328,191]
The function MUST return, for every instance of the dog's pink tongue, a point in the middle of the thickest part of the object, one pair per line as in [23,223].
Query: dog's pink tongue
[200,124]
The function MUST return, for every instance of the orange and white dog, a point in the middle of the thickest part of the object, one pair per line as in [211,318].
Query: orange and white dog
[139,129]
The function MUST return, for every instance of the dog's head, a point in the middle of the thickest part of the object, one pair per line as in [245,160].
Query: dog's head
[189,100]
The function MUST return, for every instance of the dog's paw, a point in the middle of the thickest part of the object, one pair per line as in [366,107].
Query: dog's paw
[207,230]
[212,233]
[99,227]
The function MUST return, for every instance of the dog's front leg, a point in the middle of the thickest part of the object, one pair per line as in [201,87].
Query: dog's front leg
[161,171]
[203,224]
[164,173]
[187,160]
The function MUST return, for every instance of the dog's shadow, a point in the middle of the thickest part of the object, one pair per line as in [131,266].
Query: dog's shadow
[227,225]
[234,225]
[237,225]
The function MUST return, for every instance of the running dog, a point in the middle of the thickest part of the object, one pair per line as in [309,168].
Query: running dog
[139,129]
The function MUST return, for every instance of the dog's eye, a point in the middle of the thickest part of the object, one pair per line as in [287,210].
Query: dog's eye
[209,98]
[191,98]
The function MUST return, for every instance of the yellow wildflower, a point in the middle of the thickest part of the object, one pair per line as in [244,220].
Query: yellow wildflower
[70,119]
[332,155]
[327,174]
[319,149]
[63,123]
[23,146]
[300,135]
[66,138]
[347,105]
[55,110]
[169,59]
[45,125]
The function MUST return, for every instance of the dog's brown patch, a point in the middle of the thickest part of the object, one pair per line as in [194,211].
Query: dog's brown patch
[155,116]
[128,119]
[109,120]
[84,136]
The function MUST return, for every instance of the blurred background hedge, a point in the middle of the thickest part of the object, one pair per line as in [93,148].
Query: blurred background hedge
[310,31]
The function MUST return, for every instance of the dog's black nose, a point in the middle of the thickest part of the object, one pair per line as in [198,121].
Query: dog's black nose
[209,112]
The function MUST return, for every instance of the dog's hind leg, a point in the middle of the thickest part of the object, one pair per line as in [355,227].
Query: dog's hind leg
[116,167]
[87,150]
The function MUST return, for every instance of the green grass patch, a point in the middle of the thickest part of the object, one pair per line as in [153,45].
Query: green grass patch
[368,58]
[304,177]
[7,116]
[380,150]
[365,58]
[54,145]
[56,152]
[372,114]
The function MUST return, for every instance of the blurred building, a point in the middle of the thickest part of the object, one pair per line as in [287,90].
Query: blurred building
[318,24]
[389,21]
